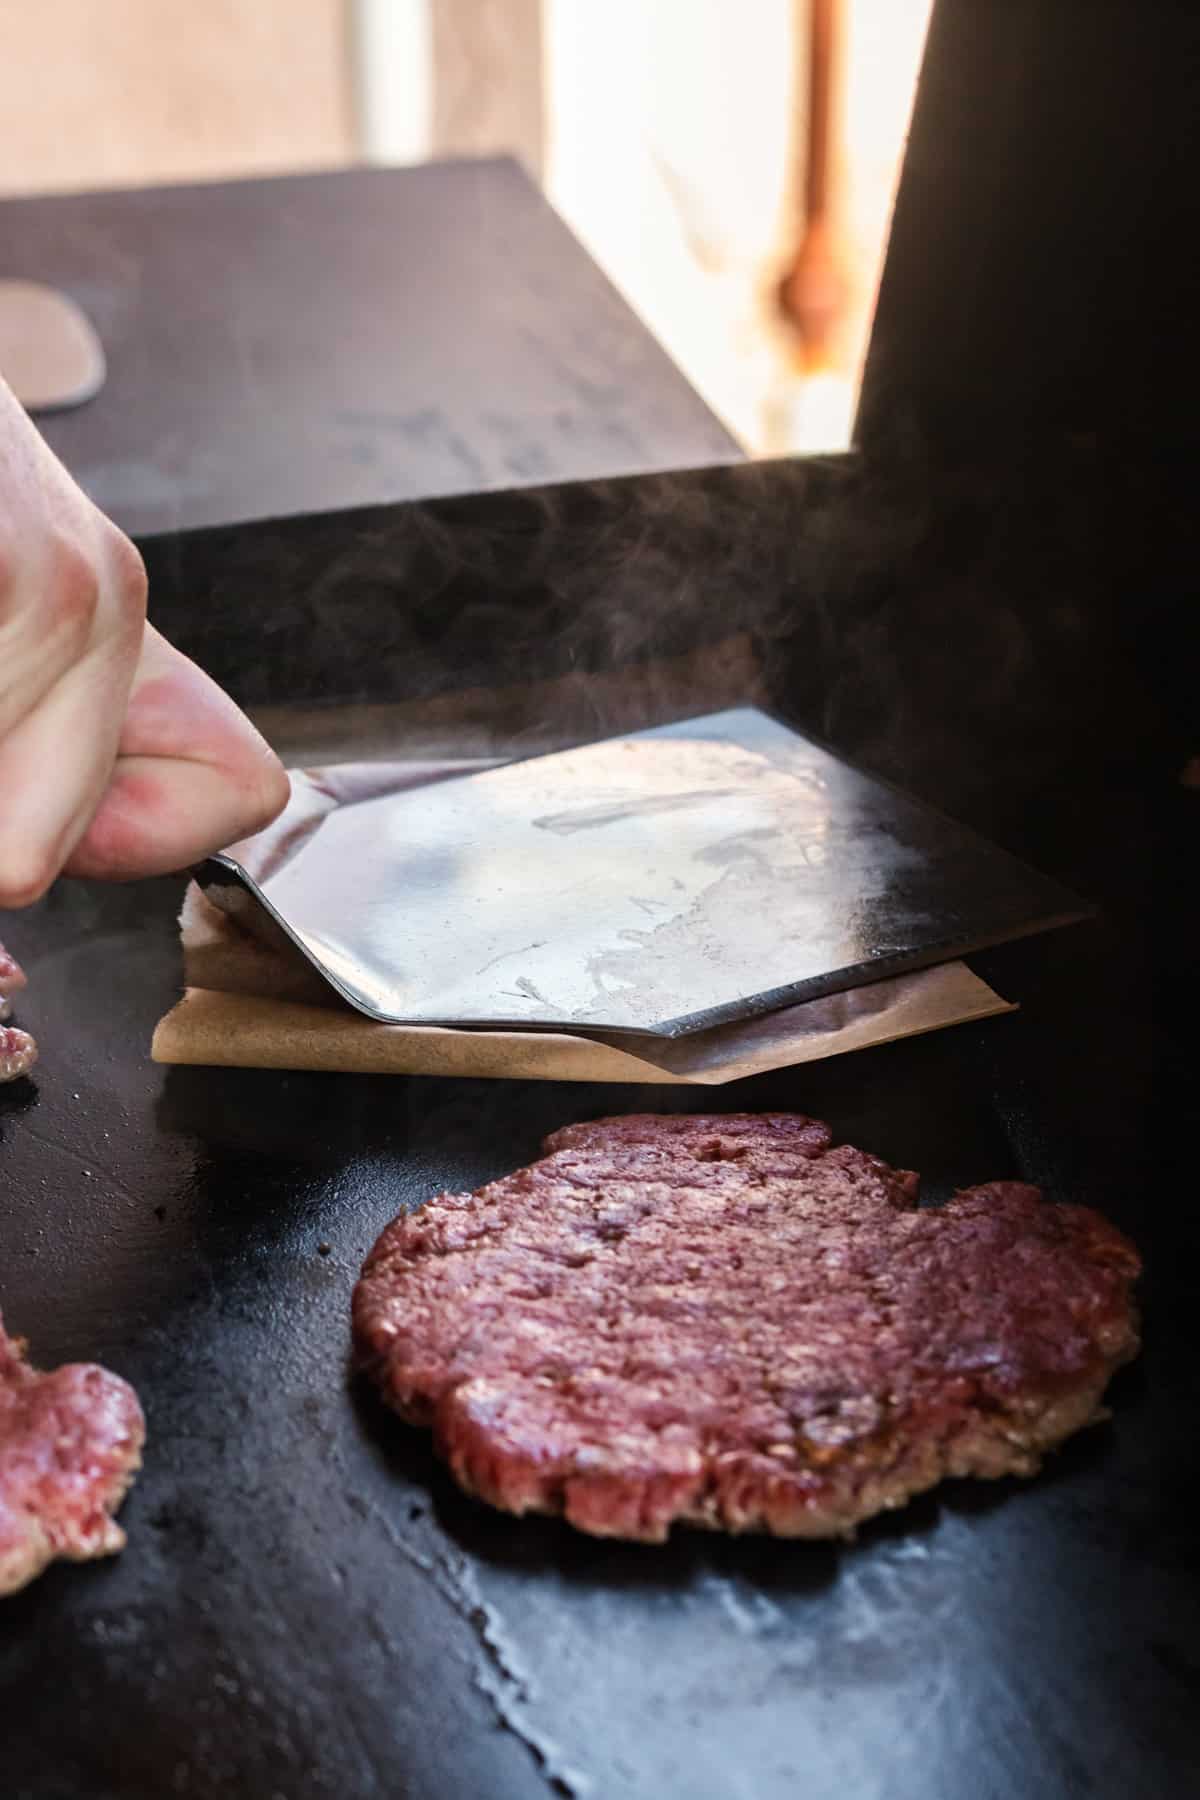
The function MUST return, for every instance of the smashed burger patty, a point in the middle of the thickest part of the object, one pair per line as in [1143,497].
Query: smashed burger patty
[70,1444]
[729,1322]
[18,1052]
[12,979]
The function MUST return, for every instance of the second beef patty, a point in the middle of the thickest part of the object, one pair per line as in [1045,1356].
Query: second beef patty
[730,1322]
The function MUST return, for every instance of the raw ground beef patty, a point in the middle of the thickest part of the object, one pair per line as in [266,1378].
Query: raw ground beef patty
[70,1444]
[18,1052]
[729,1322]
[12,979]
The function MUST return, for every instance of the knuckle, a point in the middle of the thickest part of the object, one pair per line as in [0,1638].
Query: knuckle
[94,589]
[129,576]
[72,589]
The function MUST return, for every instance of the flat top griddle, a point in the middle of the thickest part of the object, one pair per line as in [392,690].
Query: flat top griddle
[308,1608]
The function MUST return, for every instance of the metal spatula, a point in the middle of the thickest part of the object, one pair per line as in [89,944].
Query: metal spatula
[660,883]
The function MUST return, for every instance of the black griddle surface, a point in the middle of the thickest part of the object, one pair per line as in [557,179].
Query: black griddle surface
[307,1607]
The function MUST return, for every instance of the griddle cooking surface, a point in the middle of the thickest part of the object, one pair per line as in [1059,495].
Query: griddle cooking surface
[308,1608]
[664,882]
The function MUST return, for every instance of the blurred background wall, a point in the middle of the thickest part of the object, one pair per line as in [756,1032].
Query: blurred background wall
[673,135]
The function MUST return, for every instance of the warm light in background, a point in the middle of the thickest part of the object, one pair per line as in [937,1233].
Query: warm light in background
[670,152]
[670,134]
[675,146]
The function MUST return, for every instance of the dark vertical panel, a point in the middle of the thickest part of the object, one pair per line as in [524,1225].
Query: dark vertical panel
[1041,277]
[1031,390]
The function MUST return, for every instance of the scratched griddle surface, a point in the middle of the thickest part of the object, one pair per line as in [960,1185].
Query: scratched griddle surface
[308,1608]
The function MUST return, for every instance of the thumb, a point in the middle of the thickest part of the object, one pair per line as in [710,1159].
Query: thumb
[192,775]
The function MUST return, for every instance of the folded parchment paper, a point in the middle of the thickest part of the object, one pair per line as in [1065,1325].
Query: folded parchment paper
[248,1006]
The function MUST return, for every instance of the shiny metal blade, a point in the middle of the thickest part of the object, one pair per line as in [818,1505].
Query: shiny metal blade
[661,883]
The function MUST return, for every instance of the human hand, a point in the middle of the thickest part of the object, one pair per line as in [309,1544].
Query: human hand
[118,757]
